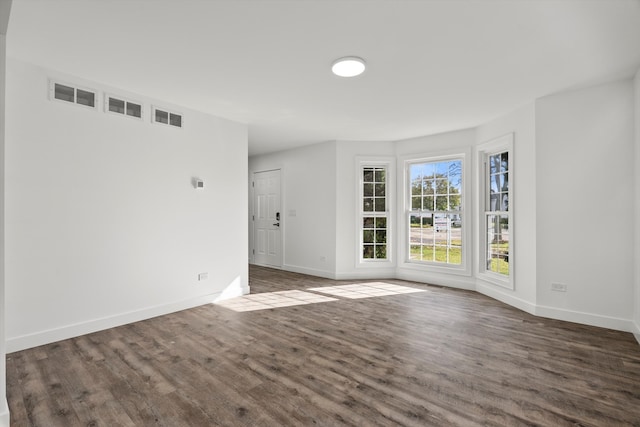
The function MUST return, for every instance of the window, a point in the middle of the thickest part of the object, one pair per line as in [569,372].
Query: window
[374,216]
[124,107]
[166,117]
[497,213]
[434,214]
[67,93]
[496,242]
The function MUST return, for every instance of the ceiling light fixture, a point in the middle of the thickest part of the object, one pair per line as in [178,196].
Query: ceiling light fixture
[349,66]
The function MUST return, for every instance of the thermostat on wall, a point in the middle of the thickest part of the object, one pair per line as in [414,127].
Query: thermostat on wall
[199,183]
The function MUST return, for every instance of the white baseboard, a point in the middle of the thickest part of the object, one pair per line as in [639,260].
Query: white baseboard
[608,322]
[497,294]
[310,271]
[70,331]
[452,281]
[377,274]
[5,419]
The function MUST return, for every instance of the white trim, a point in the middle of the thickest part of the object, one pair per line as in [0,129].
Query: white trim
[5,417]
[616,323]
[483,151]
[387,162]
[70,331]
[376,274]
[436,278]
[309,271]
[465,268]
[52,97]
[507,298]
[105,102]
[169,112]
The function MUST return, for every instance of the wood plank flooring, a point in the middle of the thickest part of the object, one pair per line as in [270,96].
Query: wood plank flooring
[442,357]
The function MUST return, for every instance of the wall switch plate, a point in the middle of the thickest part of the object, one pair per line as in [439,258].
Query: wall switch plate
[203,276]
[559,287]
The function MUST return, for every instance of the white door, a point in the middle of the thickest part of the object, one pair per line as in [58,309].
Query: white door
[267,219]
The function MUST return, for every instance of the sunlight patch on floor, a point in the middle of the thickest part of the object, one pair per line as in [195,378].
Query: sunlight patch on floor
[366,290]
[268,300]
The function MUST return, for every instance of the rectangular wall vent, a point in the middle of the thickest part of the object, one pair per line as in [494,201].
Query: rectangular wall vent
[68,93]
[166,117]
[123,106]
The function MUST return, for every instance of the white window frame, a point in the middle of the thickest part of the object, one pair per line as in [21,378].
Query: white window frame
[170,112]
[52,94]
[404,163]
[484,151]
[375,162]
[109,96]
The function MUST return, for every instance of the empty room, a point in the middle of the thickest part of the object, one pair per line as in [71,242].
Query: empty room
[331,213]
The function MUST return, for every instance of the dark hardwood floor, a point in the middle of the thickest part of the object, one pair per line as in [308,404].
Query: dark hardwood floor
[439,357]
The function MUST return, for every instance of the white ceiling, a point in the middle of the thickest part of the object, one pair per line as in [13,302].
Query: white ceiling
[433,66]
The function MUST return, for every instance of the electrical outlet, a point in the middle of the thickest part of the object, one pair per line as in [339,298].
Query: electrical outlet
[559,287]
[203,276]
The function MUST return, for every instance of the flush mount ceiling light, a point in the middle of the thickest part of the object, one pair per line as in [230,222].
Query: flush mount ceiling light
[349,66]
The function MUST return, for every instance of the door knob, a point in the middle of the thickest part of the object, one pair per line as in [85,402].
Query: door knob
[277,224]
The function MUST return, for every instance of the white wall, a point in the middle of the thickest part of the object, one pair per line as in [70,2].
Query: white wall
[637,207]
[521,123]
[5,7]
[585,203]
[309,183]
[103,224]
[347,206]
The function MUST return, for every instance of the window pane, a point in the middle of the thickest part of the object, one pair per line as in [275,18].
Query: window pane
[416,203]
[367,252]
[64,93]
[442,203]
[380,175]
[414,252]
[380,190]
[367,190]
[381,222]
[134,110]
[175,120]
[496,183]
[455,202]
[427,203]
[504,164]
[428,170]
[495,202]
[494,164]
[86,98]
[367,204]
[367,236]
[368,222]
[367,175]
[381,204]
[381,251]
[428,186]
[416,187]
[381,236]
[498,244]
[116,105]
[162,116]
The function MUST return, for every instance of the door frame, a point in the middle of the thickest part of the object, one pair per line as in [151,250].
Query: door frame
[252,223]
